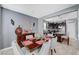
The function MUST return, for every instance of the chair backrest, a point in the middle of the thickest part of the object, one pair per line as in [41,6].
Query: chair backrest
[29,37]
[45,48]
[39,37]
[50,34]
[18,50]
[53,42]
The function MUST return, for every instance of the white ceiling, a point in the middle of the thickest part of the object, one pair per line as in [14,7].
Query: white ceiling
[63,17]
[36,10]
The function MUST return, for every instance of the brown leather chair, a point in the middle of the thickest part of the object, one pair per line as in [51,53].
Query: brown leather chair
[59,39]
[18,32]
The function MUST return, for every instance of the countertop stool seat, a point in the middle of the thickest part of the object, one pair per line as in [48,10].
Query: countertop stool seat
[66,38]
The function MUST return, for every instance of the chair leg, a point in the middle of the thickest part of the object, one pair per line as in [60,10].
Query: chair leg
[51,51]
[54,50]
[33,54]
[68,41]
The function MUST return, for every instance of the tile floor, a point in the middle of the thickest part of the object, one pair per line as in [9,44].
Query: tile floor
[61,49]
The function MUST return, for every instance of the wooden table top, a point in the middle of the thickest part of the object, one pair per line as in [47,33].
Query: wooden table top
[33,46]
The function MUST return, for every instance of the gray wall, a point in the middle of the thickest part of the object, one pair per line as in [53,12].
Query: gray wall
[40,26]
[78,24]
[25,21]
[1,41]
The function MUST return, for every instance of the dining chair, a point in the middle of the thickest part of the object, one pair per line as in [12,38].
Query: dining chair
[19,51]
[53,44]
[50,34]
[45,49]
[66,38]
[39,36]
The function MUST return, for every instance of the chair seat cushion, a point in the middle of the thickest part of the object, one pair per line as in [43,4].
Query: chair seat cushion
[66,37]
[39,42]
[27,42]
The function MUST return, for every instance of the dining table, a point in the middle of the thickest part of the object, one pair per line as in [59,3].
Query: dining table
[36,43]
[33,45]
